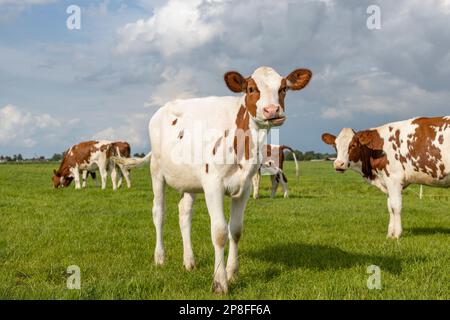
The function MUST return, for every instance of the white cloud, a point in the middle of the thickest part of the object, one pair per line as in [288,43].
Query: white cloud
[178,26]
[25,2]
[133,130]
[22,128]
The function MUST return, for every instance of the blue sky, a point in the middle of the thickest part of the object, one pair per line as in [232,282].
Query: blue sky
[59,87]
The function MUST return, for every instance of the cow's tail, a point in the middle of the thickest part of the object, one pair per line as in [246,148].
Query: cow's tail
[130,163]
[297,171]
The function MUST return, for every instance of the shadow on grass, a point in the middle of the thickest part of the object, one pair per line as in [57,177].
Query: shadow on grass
[428,231]
[318,257]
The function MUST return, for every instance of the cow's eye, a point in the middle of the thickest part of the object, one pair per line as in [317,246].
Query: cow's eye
[251,90]
[283,90]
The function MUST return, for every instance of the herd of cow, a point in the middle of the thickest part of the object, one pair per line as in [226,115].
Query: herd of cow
[390,157]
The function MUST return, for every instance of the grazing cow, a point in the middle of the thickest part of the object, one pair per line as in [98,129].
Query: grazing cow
[393,156]
[272,164]
[89,156]
[122,149]
[234,128]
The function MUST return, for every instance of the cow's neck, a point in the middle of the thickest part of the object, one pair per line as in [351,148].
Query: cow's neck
[249,138]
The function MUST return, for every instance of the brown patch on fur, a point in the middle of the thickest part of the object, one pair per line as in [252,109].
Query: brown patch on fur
[242,143]
[252,97]
[423,154]
[227,132]
[207,168]
[181,135]
[174,122]
[367,147]
[282,93]
[123,147]
[441,139]
[221,238]
[216,146]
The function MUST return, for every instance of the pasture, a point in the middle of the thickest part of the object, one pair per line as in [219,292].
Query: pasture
[316,245]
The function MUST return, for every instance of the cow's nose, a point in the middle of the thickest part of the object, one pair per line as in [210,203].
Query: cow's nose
[271,112]
[338,164]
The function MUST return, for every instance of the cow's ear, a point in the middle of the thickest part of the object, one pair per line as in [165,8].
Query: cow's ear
[371,139]
[298,79]
[235,81]
[329,139]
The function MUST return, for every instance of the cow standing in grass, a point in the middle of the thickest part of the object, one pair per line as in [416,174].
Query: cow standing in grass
[121,149]
[87,156]
[211,145]
[273,164]
[393,156]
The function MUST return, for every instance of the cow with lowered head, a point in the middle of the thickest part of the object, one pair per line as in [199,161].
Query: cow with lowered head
[87,156]
[396,155]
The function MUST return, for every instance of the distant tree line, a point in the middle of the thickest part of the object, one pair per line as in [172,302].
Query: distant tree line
[19,158]
[308,156]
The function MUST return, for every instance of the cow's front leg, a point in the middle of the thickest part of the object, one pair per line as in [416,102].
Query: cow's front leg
[256,184]
[395,205]
[158,211]
[185,212]
[214,195]
[235,227]
[85,176]
[76,176]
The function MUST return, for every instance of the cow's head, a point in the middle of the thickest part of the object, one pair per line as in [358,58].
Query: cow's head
[59,181]
[362,149]
[265,92]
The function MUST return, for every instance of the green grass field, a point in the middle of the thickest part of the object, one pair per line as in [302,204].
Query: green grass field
[315,245]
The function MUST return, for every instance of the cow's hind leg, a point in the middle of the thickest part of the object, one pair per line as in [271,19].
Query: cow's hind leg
[284,184]
[235,228]
[275,181]
[114,174]
[103,175]
[214,195]
[395,206]
[158,211]
[126,174]
[256,185]
[185,211]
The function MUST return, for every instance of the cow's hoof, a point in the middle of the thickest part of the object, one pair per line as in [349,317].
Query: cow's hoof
[159,259]
[219,288]
[189,264]
[232,277]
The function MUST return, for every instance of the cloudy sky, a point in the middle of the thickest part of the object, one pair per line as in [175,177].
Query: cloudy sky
[59,86]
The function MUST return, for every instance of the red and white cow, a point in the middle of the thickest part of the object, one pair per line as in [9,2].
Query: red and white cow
[122,149]
[393,156]
[235,128]
[272,165]
[86,156]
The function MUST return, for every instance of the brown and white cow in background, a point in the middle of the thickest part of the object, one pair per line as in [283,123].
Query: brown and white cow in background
[393,156]
[236,128]
[272,165]
[122,149]
[87,156]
